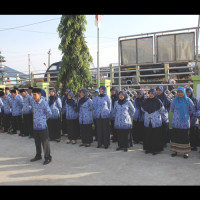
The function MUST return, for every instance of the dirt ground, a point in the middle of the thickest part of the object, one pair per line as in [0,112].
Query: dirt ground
[74,165]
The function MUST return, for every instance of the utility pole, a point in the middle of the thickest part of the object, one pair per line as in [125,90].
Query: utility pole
[49,53]
[29,68]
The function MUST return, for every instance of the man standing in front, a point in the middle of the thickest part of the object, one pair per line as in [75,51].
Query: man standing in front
[41,112]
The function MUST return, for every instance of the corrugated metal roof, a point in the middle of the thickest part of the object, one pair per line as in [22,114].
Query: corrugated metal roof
[7,71]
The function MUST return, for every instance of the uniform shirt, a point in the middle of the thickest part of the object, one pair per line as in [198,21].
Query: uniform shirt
[55,108]
[27,104]
[70,112]
[17,105]
[7,104]
[41,112]
[103,105]
[1,104]
[176,123]
[85,113]
[63,99]
[138,115]
[94,107]
[155,118]
[123,114]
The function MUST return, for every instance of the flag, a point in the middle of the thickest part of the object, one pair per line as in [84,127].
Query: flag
[98,20]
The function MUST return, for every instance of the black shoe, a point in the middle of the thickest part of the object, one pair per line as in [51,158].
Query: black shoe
[13,132]
[185,156]
[125,149]
[98,146]
[47,161]
[118,149]
[154,153]
[174,154]
[106,147]
[36,158]
[147,152]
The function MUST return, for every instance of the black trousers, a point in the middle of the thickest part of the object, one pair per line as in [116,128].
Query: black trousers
[41,138]
[28,124]
[86,133]
[165,133]
[17,123]
[138,131]
[64,124]
[103,131]
[153,139]
[113,130]
[54,128]
[72,129]
[124,140]
[194,136]
[95,129]
[7,121]
[1,119]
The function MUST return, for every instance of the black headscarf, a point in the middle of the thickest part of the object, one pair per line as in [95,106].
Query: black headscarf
[71,102]
[165,100]
[151,105]
[121,102]
[104,91]
[65,97]
[114,97]
[53,98]
[139,101]
[84,99]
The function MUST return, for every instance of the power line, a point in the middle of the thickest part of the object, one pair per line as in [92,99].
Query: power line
[6,29]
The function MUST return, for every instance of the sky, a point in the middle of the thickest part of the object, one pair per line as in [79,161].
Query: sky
[41,35]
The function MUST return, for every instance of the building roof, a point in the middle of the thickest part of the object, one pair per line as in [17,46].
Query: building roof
[9,72]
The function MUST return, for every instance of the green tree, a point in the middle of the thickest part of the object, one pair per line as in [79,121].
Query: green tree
[75,67]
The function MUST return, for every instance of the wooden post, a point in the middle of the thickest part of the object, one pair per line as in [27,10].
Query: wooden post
[17,80]
[3,79]
[137,73]
[111,73]
[32,79]
[166,71]
[48,78]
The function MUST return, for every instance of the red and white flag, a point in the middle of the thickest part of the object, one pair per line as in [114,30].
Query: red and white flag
[98,20]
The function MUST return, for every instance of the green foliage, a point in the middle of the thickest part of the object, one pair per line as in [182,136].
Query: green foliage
[74,73]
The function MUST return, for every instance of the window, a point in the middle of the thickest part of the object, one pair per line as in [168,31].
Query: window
[53,68]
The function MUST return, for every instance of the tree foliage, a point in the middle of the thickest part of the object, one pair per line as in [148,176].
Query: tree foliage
[74,73]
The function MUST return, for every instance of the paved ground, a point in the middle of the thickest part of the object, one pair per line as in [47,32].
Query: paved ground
[74,165]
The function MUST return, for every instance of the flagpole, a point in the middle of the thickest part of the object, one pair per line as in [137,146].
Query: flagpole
[98,72]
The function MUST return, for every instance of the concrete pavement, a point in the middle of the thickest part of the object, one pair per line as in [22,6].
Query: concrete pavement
[74,165]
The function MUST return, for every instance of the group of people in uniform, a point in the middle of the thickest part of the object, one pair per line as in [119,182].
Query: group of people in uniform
[144,121]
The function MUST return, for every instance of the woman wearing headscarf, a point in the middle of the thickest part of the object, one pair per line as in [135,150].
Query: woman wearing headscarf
[103,105]
[182,107]
[64,123]
[165,120]
[96,94]
[138,118]
[194,122]
[71,118]
[85,107]
[124,110]
[153,109]
[114,98]
[53,122]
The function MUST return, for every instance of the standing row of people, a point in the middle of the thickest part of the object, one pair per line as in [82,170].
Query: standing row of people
[109,115]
